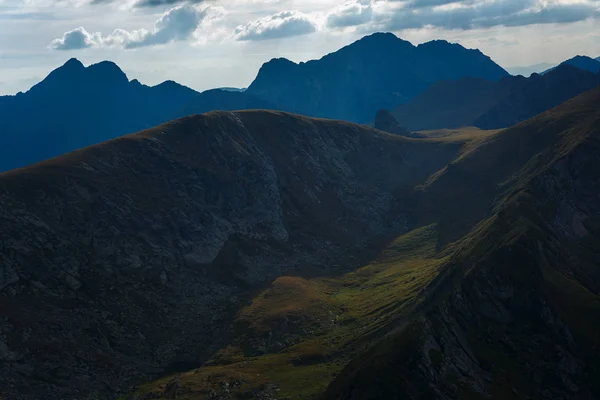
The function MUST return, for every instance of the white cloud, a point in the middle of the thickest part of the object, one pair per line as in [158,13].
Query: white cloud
[177,24]
[277,26]
[352,13]
[76,39]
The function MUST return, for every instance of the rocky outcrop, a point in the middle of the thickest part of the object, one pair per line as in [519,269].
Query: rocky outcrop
[384,121]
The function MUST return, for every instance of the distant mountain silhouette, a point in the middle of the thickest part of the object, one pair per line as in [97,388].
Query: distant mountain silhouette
[527,70]
[378,71]
[451,104]
[493,104]
[75,106]
[581,62]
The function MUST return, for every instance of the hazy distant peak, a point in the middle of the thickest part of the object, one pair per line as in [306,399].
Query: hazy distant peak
[168,83]
[582,62]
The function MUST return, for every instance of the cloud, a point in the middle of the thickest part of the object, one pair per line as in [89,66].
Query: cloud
[416,4]
[157,3]
[28,16]
[76,39]
[152,3]
[448,14]
[277,26]
[177,24]
[350,14]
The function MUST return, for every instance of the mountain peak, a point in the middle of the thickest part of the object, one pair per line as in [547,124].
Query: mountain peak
[581,62]
[276,68]
[441,45]
[73,69]
[73,63]
[107,71]
[436,42]
[379,41]
[381,36]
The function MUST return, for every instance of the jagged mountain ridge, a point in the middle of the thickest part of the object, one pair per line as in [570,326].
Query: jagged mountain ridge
[493,104]
[377,71]
[582,62]
[77,106]
[130,255]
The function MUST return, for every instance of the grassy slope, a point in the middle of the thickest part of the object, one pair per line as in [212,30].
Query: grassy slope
[347,312]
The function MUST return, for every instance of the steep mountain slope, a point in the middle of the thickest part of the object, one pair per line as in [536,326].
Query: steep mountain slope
[451,104]
[515,316]
[536,95]
[582,62]
[127,260]
[77,106]
[493,104]
[493,292]
[378,71]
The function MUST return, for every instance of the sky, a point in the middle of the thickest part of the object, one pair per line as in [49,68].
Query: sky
[214,43]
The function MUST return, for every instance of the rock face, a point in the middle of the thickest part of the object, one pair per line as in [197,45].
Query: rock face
[514,316]
[124,261]
[378,71]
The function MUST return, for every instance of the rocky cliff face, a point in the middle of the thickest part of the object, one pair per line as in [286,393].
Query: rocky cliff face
[126,260]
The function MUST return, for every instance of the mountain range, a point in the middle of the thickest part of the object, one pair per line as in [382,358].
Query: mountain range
[429,86]
[77,106]
[378,71]
[493,104]
[267,255]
